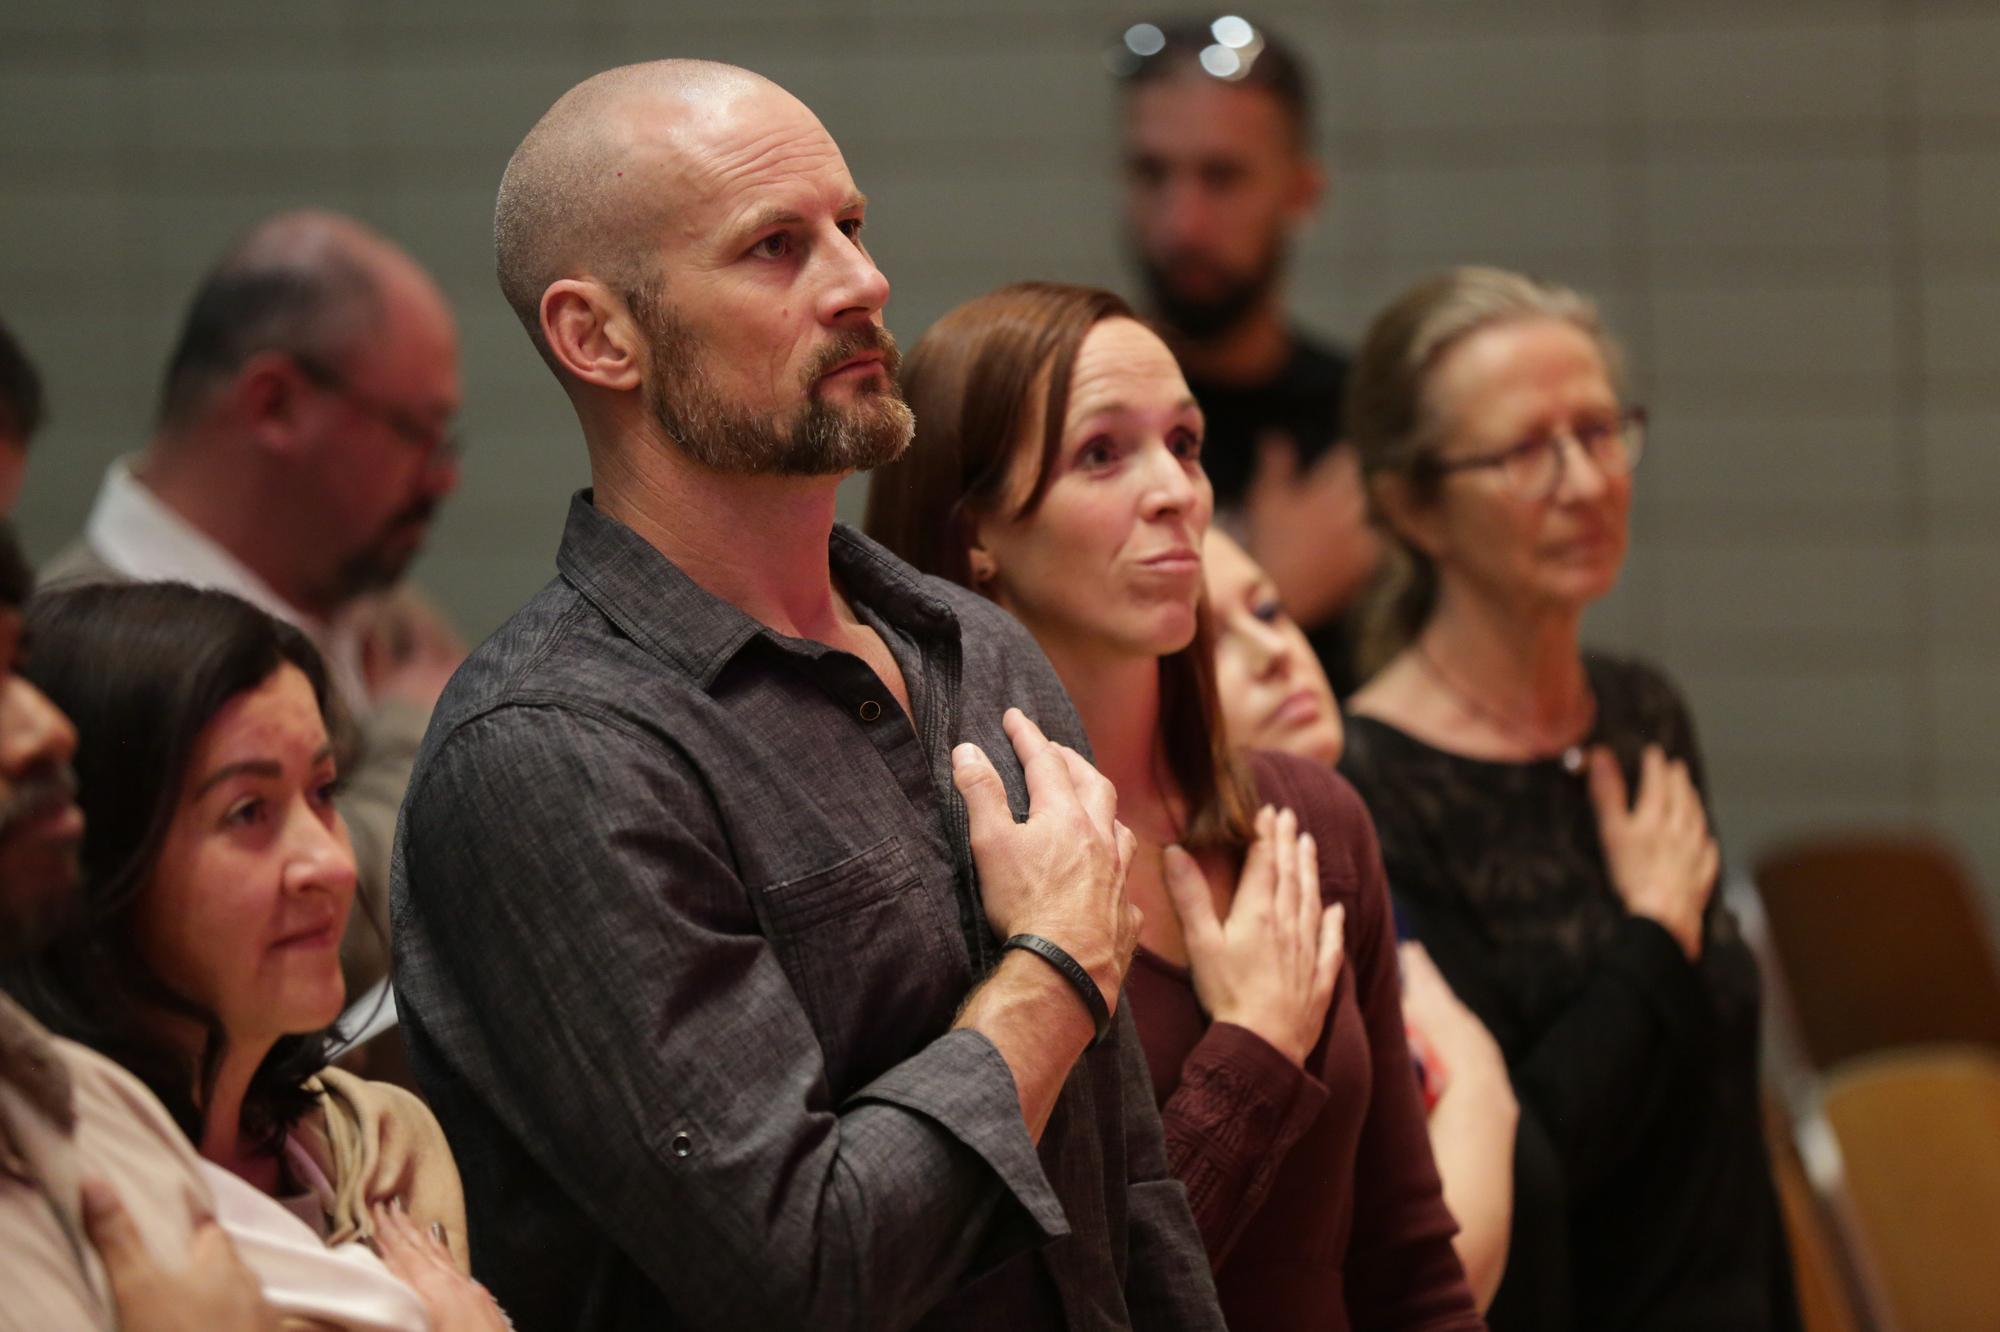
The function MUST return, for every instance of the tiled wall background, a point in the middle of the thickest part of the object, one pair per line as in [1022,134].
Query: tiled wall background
[1790,210]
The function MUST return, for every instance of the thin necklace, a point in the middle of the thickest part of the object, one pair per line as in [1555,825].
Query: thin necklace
[1572,753]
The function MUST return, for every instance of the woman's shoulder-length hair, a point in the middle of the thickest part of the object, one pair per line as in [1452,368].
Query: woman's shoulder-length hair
[974,381]
[141,669]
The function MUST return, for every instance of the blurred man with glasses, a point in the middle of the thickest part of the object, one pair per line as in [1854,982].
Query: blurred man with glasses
[1220,177]
[303,445]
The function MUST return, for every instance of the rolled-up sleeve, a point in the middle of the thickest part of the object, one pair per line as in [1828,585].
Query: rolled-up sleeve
[955,1082]
[576,943]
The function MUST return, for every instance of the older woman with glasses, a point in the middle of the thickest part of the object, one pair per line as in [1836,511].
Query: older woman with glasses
[1542,813]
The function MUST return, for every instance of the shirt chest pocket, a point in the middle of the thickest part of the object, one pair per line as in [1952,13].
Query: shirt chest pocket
[867,951]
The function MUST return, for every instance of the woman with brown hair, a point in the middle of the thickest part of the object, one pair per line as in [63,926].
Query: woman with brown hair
[204,956]
[1543,817]
[1057,469]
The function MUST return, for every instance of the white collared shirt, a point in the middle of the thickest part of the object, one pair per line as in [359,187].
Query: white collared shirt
[139,536]
[346,1286]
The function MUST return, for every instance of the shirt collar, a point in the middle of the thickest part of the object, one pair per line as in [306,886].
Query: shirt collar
[142,538]
[648,597]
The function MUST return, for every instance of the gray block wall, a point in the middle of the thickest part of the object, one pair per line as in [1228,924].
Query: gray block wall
[1791,212]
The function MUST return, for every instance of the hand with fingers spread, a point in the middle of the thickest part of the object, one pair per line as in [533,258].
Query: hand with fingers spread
[1271,963]
[215,1292]
[1662,859]
[1308,526]
[453,1301]
[1060,874]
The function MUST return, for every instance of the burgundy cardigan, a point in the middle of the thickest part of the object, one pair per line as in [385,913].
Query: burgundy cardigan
[1314,1188]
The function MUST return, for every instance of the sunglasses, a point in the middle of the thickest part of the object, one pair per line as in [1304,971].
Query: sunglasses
[1225,48]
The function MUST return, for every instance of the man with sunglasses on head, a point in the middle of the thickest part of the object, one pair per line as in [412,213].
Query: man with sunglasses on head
[302,447]
[1220,178]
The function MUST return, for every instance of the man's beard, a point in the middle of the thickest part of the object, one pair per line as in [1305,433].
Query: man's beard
[824,439]
[38,882]
[1218,309]
[380,564]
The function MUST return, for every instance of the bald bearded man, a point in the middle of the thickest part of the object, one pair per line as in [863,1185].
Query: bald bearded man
[742,994]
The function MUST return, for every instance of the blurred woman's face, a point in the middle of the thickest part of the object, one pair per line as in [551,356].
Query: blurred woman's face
[1504,386]
[1110,562]
[1274,693]
[247,904]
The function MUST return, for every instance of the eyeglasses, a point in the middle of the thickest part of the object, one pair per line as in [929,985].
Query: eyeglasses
[435,443]
[1533,469]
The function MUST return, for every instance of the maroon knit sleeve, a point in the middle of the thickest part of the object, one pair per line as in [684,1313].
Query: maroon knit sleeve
[1237,1109]
[1401,1270]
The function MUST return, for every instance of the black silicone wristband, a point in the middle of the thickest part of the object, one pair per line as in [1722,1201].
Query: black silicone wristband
[1072,971]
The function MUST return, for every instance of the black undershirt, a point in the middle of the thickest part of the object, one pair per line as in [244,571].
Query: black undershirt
[1306,403]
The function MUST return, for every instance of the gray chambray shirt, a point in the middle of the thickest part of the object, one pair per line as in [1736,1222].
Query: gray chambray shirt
[683,912]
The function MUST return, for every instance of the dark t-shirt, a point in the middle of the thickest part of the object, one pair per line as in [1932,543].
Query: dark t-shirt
[1306,403]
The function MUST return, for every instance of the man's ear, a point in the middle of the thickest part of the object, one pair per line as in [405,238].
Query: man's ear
[1309,181]
[592,334]
[274,402]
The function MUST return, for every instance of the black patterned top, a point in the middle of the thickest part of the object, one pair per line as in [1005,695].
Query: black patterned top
[1643,1193]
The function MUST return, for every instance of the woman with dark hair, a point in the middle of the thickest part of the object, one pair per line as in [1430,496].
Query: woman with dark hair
[1057,469]
[204,958]
[1543,817]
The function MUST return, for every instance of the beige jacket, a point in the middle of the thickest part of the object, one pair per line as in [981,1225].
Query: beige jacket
[375,1142]
[67,1113]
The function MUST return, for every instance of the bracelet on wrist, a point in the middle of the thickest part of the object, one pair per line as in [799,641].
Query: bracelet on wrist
[1072,971]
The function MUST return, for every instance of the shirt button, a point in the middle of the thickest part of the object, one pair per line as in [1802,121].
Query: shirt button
[681,1146]
[870,710]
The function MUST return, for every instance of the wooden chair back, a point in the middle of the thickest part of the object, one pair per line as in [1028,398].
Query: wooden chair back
[1919,1137]
[1882,943]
